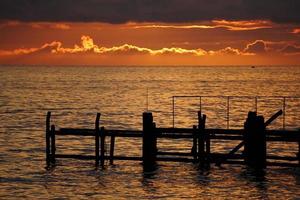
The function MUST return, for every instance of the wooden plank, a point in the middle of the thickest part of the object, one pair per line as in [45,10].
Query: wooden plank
[215,157]
[174,130]
[79,157]
[83,132]
[175,159]
[124,133]
[172,159]
[286,158]
[282,139]
[225,131]
[178,133]
[174,153]
[175,135]
[283,133]
[282,164]
[76,132]
[226,137]
[136,158]
[91,157]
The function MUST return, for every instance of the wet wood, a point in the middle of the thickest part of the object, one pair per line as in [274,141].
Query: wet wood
[149,140]
[255,149]
[48,117]
[194,150]
[112,149]
[97,137]
[102,150]
[53,146]
[199,137]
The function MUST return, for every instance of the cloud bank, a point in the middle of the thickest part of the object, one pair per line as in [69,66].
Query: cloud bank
[88,46]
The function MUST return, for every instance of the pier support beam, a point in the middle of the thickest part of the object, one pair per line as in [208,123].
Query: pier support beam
[102,135]
[298,148]
[112,149]
[53,146]
[203,142]
[149,142]
[195,143]
[97,137]
[48,117]
[255,151]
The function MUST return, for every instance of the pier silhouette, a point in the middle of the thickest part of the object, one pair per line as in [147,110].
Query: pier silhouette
[253,138]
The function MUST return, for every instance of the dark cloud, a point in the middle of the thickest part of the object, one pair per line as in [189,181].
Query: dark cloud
[291,49]
[259,46]
[120,11]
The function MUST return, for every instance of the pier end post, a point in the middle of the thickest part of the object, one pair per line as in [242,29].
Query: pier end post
[149,142]
[255,152]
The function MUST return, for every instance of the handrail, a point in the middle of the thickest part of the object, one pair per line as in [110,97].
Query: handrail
[228,98]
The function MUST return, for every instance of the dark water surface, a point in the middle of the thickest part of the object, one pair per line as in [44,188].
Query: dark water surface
[76,94]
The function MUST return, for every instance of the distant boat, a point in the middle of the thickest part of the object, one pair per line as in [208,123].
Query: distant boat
[252,66]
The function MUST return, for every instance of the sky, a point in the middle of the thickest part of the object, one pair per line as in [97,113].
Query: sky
[150,32]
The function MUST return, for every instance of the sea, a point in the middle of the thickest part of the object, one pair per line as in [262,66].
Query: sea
[174,95]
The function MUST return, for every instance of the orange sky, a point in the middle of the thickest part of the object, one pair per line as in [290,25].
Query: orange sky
[216,42]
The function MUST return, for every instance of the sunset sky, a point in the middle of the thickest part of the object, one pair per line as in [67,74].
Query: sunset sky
[150,32]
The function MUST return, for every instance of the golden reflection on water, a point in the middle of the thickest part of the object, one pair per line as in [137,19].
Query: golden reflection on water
[75,95]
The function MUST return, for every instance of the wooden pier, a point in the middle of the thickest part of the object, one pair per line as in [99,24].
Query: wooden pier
[253,138]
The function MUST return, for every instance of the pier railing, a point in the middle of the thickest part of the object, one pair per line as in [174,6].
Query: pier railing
[228,99]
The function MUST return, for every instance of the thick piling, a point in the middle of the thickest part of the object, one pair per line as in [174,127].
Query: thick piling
[255,152]
[149,142]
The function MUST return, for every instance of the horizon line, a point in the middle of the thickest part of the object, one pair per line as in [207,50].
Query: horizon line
[137,65]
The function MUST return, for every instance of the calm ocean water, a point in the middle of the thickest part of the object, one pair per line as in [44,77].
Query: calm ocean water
[76,94]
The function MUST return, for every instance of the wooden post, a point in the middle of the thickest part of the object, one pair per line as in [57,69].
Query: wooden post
[112,149]
[207,143]
[149,142]
[194,148]
[102,135]
[202,139]
[154,133]
[48,117]
[97,133]
[299,147]
[201,150]
[53,147]
[255,141]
